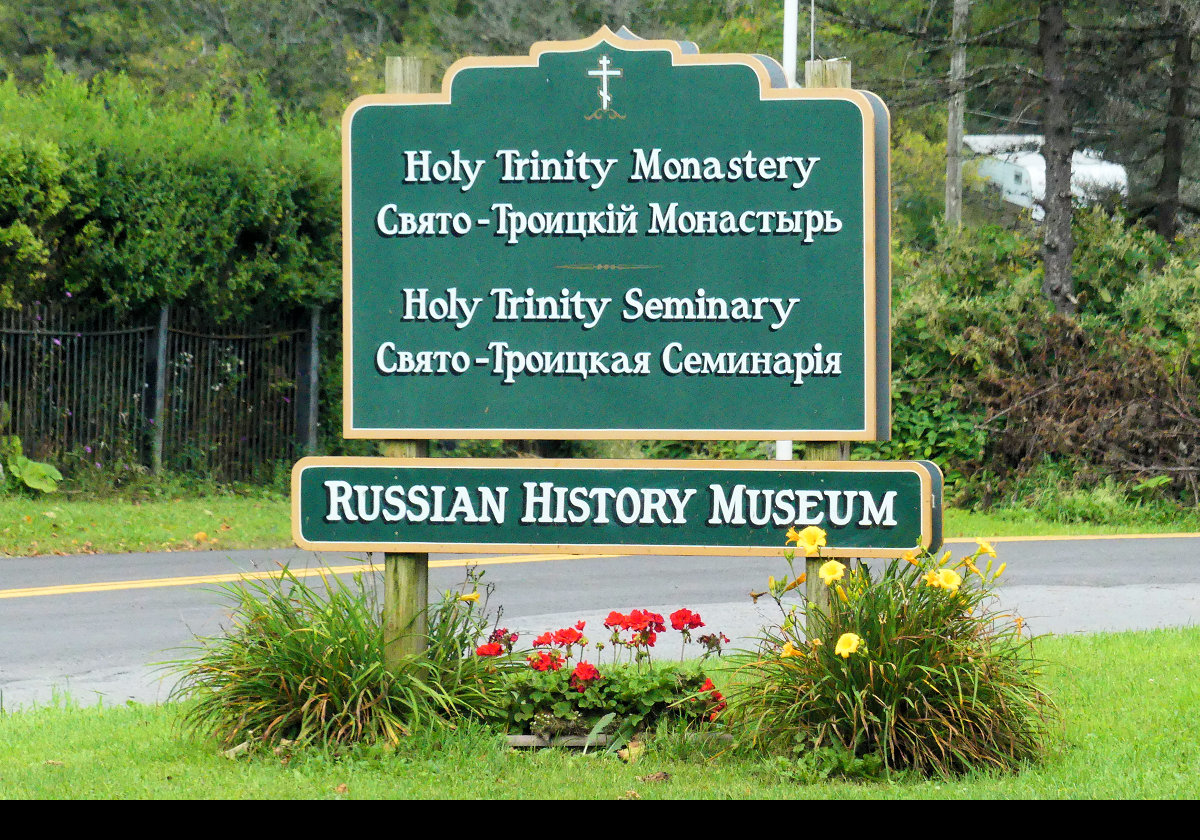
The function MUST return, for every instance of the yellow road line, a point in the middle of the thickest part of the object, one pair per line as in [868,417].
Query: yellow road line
[998,540]
[193,580]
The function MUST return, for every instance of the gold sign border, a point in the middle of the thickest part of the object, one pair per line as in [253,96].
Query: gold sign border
[921,468]
[678,58]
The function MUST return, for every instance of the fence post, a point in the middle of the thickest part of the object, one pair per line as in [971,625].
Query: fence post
[308,369]
[156,389]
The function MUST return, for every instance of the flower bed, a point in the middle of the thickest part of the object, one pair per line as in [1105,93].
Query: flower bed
[568,686]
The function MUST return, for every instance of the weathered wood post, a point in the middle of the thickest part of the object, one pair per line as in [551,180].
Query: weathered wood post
[405,576]
[156,399]
[820,73]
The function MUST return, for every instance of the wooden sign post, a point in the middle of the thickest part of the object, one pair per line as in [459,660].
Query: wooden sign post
[405,574]
[822,73]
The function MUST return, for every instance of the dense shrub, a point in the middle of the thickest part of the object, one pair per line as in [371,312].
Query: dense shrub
[1095,396]
[982,359]
[115,198]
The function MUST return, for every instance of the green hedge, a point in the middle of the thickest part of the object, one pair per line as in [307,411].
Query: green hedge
[107,194]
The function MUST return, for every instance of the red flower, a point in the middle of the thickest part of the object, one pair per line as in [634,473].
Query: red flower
[584,673]
[545,661]
[715,697]
[719,699]
[490,649]
[567,636]
[643,620]
[544,640]
[685,619]
[615,621]
[503,636]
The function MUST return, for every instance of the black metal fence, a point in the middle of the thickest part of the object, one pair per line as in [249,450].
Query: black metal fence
[166,389]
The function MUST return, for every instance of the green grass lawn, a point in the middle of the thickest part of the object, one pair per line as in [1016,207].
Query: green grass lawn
[58,525]
[1128,730]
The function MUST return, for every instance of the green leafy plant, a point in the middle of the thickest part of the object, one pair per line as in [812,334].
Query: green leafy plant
[555,691]
[557,702]
[911,665]
[17,471]
[305,664]
[817,764]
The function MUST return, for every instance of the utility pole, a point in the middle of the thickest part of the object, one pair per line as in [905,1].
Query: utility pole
[954,128]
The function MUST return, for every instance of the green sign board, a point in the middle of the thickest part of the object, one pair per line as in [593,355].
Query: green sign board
[619,507]
[616,238]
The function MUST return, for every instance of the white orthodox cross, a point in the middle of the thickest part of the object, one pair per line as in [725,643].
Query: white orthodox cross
[604,73]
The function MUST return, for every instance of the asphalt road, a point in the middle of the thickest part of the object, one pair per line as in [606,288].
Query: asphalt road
[91,627]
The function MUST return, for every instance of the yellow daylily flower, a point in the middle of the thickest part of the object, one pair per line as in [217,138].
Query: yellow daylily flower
[947,579]
[985,548]
[911,556]
[792,536]
[472,598]
[842,594]
[847,644]
[950,580]
[831,571]
[811,539]
[790,650]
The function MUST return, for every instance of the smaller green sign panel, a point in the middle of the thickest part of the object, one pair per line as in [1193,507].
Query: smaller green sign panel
[620,507]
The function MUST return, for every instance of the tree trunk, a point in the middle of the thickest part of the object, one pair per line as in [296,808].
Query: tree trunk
[1166,192]
[1057,149]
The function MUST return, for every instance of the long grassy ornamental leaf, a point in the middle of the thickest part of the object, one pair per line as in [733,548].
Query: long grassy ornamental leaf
[305,664]
[913,666]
